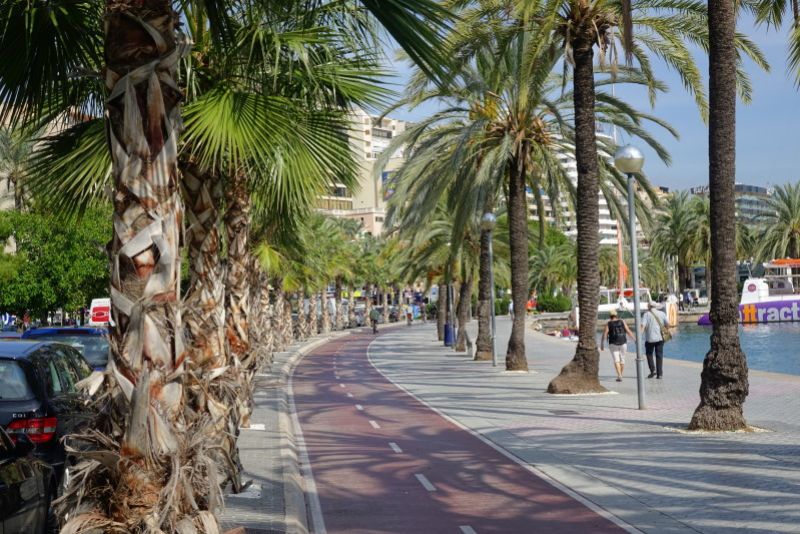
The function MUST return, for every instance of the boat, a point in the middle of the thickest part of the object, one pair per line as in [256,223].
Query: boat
[772,298]
[621,300]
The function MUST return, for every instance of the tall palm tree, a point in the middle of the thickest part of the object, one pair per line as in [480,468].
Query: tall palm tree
[502,131]
[781,235]
[143,48]
[724,385]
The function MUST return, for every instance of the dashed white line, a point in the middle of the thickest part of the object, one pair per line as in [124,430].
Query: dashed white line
[350,395]
[466,529]
[359,408]
[341,385]
[374,424]
[395,447]
[425,482]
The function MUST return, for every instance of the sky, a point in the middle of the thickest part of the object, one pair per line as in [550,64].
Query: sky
[768,144]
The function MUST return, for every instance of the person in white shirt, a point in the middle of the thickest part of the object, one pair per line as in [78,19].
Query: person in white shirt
[652,322]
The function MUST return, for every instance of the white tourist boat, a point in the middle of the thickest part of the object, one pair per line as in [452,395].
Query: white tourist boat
[772,298]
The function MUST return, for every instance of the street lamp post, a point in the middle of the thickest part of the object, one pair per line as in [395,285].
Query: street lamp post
[487,223]
[630,160]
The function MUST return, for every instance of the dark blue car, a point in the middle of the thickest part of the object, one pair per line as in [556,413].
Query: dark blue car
[38,397]
[27,485]
[92,343]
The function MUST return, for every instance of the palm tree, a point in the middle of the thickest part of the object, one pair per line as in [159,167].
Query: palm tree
[672,233]
[781,235]
[142,50]
[502,130]
[724,384]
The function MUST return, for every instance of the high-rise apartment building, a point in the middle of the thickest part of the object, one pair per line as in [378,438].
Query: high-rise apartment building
[752,201]
[369,137]
[567,218]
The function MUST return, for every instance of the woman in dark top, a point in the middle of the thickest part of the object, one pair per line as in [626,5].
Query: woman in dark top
[616,332]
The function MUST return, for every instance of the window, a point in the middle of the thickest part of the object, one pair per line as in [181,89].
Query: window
[68,374]
[13,382]
[386,134]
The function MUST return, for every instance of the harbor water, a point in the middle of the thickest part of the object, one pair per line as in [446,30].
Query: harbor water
[769,347]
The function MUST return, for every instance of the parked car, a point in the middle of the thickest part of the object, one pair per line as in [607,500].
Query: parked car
[38,397]
[91,342]
[27,486]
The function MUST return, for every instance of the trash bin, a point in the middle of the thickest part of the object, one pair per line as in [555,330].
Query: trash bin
[449,335]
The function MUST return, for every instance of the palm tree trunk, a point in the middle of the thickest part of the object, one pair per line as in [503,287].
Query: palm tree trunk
[385,306]
[339,307]
[368,304]
[302,318]
[724,384]
[237,303]
[351,307]
[518,238]
[462,312]
[441,311]
[326,314]
[279,316]
[581,374]
[313,322]
[204,316]
[146,421]
[288,326]
[484,341]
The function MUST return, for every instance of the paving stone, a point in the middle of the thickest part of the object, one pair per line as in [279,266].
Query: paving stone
[635,463]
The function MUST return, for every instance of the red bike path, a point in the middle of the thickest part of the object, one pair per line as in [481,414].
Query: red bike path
[383,462]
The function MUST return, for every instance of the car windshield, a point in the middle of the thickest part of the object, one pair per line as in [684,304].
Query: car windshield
[13,383]
[93,348]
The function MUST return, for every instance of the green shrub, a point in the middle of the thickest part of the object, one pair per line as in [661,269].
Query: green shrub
[501,306]
[559,303]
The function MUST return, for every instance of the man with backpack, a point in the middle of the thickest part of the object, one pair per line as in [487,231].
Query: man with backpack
[616,333]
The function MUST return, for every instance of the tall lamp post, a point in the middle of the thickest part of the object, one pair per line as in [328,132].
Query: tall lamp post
[630,160]
[487,223]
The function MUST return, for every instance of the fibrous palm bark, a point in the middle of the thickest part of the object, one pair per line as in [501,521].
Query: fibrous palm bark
[483,344]
[580,374]
[351,307]
[302,317]
[237,296]
[339,308]
[213,388]
[518,239]
[462,312]
[385,306]
[441,311]
[326,314]
[313,322]
[724,385]
[156,476]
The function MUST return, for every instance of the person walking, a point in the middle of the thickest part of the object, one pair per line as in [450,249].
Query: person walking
[616,332]
[654,322]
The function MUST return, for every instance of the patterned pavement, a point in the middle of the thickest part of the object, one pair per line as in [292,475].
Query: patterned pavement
[636,464]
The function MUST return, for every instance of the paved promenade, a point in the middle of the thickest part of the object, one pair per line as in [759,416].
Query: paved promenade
[635,464]
[385,463]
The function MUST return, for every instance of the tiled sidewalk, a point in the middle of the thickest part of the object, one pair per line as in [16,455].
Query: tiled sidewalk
[636,464]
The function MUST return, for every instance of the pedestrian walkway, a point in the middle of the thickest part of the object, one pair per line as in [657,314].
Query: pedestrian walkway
[383,462]
[635,464]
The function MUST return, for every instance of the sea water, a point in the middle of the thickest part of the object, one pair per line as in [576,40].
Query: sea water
[769,347]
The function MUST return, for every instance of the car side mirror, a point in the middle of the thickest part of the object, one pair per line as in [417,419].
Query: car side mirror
[24,445]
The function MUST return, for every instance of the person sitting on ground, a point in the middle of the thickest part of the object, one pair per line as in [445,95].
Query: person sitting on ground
[616,332]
